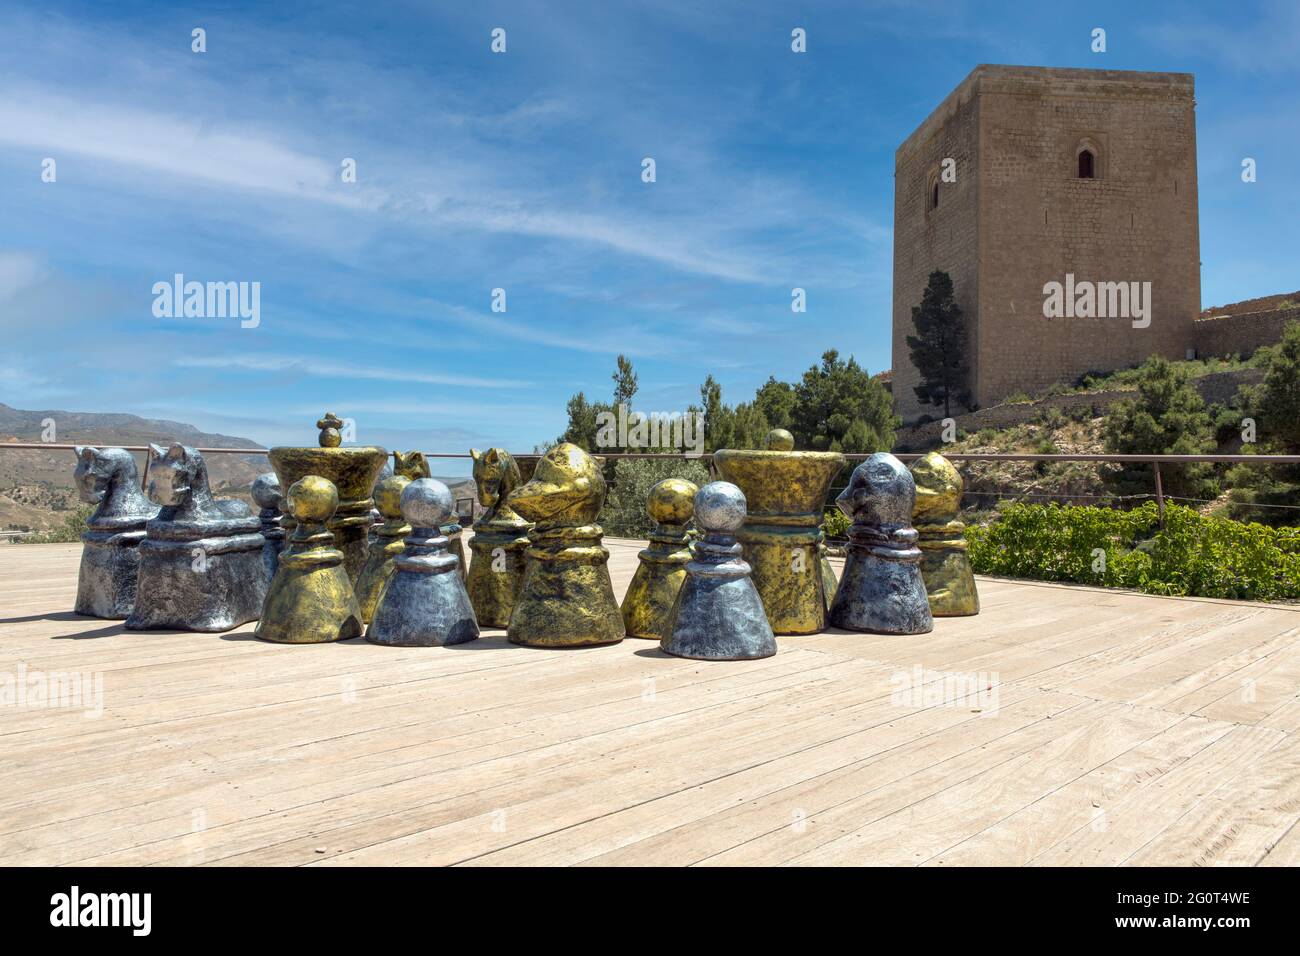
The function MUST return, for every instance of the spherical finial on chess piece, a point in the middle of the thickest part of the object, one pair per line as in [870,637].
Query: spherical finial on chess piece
[720,508]
[388,496]
[266,490]
[778,439]
[671,501]
[329,431]
[426,503]
[312,500]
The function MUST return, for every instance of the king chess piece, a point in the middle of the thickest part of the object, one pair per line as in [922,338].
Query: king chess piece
[881,589]
[648,603]
[424,603]
[110,555]
[387,544]
[265,493]
[566,599]
[500,542]
[201,560]
[414,465]
[718,615]
[945,565]
[311,599]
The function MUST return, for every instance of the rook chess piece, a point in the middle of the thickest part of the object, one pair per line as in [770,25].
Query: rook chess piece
[311,599]
[945,565]
[386,546]
[266,494]
[496,570]
[881,589]
[648,603]
[201,560]
[424,603]
[718,615]
[110,555]
[566,599]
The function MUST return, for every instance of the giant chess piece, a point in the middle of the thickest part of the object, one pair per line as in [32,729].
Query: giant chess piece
[110,554]
[266,495]
[881,589]
[945,565]
[386,545]
[566,599]
[496,570]
[311,599]
[786,491]
[830,584]
[376,516]
[414,465]
[425,603]
[201,560]
[648,603]
[352,470]
[718,615]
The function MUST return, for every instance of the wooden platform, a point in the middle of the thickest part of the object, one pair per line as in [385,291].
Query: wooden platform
[1114,729]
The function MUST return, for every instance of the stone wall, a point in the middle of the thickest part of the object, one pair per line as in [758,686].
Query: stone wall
[1241,334]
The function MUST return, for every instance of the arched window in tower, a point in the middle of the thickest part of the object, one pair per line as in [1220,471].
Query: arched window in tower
[1087,164]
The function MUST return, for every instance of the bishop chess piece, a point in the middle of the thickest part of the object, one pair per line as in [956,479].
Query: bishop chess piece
[110,556]
[881,589]
[496,570]
[719,615]
[648,603]
[311,599]
[201,560]
[266,495]
[425,603]
[387,544]
[945,565]
[566,599]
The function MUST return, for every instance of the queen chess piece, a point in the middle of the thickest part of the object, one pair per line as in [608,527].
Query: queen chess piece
[566,599]
[500,542]
[265,493]
[311,600]
[110,555]
[718,615]
[945,564]
[424,603]
[201,560]
[881,589]
[648,604]
[387,544]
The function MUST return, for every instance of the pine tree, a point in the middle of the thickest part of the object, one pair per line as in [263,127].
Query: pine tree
[938,349]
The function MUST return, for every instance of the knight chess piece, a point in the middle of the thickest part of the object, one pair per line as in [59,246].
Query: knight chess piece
[387,545]
[425,603]
[566,599]
[414,465]
[648,603]
[352,470]
[110,555]
[500,542]
[785,490]
[201,560]
[265,493]
[718,615]
[881,589]
[311,600]
[945,565]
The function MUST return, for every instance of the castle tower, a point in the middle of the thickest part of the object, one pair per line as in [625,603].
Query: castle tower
[1090,173]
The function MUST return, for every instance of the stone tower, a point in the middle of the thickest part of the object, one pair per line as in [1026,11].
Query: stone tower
[1085,173]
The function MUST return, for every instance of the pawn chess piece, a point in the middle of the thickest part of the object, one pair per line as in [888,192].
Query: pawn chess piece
[311,599]
[266,494]
[425,603]
[945,565]
[881,589]
[496,570]
[648,603]
[387,545]
[414,465]
[201,560]
[567,599]
[377,516]
[719,615]
[110,555]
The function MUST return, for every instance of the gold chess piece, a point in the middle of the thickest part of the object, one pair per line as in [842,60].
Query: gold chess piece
[500,542]
[945,565]
[388,543]
[648,603]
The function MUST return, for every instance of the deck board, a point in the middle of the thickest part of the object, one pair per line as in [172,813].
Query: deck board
[1127,729]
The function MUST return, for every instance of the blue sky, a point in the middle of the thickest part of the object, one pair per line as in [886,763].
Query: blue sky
[522,171]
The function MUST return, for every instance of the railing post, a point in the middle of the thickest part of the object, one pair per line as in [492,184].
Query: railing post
[1160,497]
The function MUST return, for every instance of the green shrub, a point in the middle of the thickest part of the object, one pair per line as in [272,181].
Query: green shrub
[835,523]
[624,513]
[74,525]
